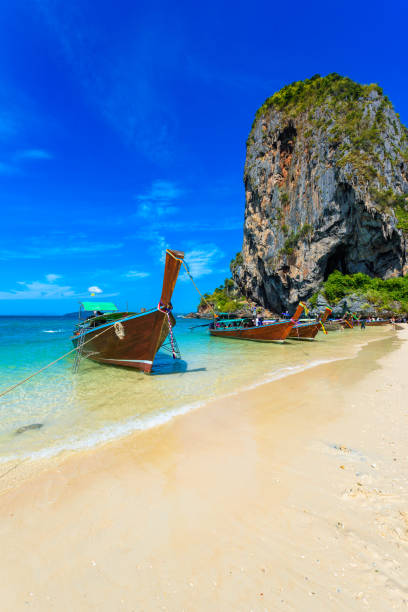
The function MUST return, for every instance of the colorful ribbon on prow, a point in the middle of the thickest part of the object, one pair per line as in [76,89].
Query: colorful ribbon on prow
[305,308]
[321,322]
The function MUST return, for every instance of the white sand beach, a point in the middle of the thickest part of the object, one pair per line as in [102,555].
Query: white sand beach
[289,496]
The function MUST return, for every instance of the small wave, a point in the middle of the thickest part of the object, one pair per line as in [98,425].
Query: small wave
[107,433]
[52,331]
[116,431]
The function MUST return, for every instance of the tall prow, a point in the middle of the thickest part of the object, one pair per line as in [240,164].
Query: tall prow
[171,271]
[131,339]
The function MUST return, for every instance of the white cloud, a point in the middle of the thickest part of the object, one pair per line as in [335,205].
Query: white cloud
[201,261]
[136,274]
[161,190]
[158,201]
[95,289]
[52,277]
[36,252]
[38,290]
[33,154]
[157,243]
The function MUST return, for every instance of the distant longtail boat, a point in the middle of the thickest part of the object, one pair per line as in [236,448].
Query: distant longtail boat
[378,322]
[332,325]
[126,338]
[308,331]
[244,328]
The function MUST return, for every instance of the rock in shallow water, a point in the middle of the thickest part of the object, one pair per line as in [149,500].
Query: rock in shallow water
[21,430]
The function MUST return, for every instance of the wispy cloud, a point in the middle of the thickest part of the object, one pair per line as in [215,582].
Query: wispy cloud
[8,124]
[33,154]
[40,290]
[156,242]
[35,290]
[158,201]
[161,190]
[126,88]
[51,278]
[41,252]
[218,225]
[8,169]
[201,261]
[136,274]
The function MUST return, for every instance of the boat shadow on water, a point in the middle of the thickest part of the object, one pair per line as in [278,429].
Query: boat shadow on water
[163,365]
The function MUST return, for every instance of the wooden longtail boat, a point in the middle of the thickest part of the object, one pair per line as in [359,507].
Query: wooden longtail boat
[244,329]
[332,325]
[381,322]
[308,331]
[349,321]
[130,339]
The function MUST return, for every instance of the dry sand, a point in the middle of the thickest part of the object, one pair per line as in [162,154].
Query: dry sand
[290,496]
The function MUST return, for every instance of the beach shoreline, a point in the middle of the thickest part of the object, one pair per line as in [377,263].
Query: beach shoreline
[289,495]
[17,470]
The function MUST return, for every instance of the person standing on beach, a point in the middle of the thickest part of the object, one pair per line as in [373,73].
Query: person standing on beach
[363,324]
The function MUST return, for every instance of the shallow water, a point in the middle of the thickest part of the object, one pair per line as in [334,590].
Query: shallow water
[100,403]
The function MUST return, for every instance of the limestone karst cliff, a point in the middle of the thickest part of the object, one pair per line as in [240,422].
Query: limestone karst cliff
[326,181]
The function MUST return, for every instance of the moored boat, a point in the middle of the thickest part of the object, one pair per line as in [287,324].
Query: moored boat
[244,328]
[333,325]
[349,321]
[130,339]
[377,322]
[308,331]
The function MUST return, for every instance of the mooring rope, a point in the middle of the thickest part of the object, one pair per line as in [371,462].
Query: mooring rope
[24,380]
[171,335]
[166,311]
[20,382]
[192,280]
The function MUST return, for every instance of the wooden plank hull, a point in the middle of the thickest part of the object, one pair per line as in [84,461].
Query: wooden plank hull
[308,331]
[332,326]
[305,331]
[265,333]
[133,342]
[376,323]
[348,324]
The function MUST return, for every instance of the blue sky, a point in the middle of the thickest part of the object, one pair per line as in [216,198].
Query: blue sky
[123,128]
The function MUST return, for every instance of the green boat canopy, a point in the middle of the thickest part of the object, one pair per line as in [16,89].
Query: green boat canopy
[102,306]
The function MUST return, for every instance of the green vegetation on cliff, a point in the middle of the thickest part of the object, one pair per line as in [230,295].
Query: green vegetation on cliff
[387,200]
[226,298]
[315,92]
[293,238]
[359,123]
[236,262]
[390,294]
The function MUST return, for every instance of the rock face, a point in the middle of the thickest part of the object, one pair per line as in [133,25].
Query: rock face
[326,180]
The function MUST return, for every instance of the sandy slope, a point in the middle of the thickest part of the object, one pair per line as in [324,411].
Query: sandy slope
[291,496]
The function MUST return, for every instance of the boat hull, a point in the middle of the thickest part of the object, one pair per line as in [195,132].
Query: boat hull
[132,342]
[306,331]
[265,333]
[377,323]
[332,326]
[348,324]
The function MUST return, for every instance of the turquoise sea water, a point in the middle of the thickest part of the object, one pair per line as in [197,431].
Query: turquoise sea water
[100,402]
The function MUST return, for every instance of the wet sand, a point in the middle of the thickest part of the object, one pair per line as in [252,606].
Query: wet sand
[289,496]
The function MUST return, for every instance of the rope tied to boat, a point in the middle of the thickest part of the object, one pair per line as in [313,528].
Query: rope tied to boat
[192,280]
[77,348]
[166,310]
